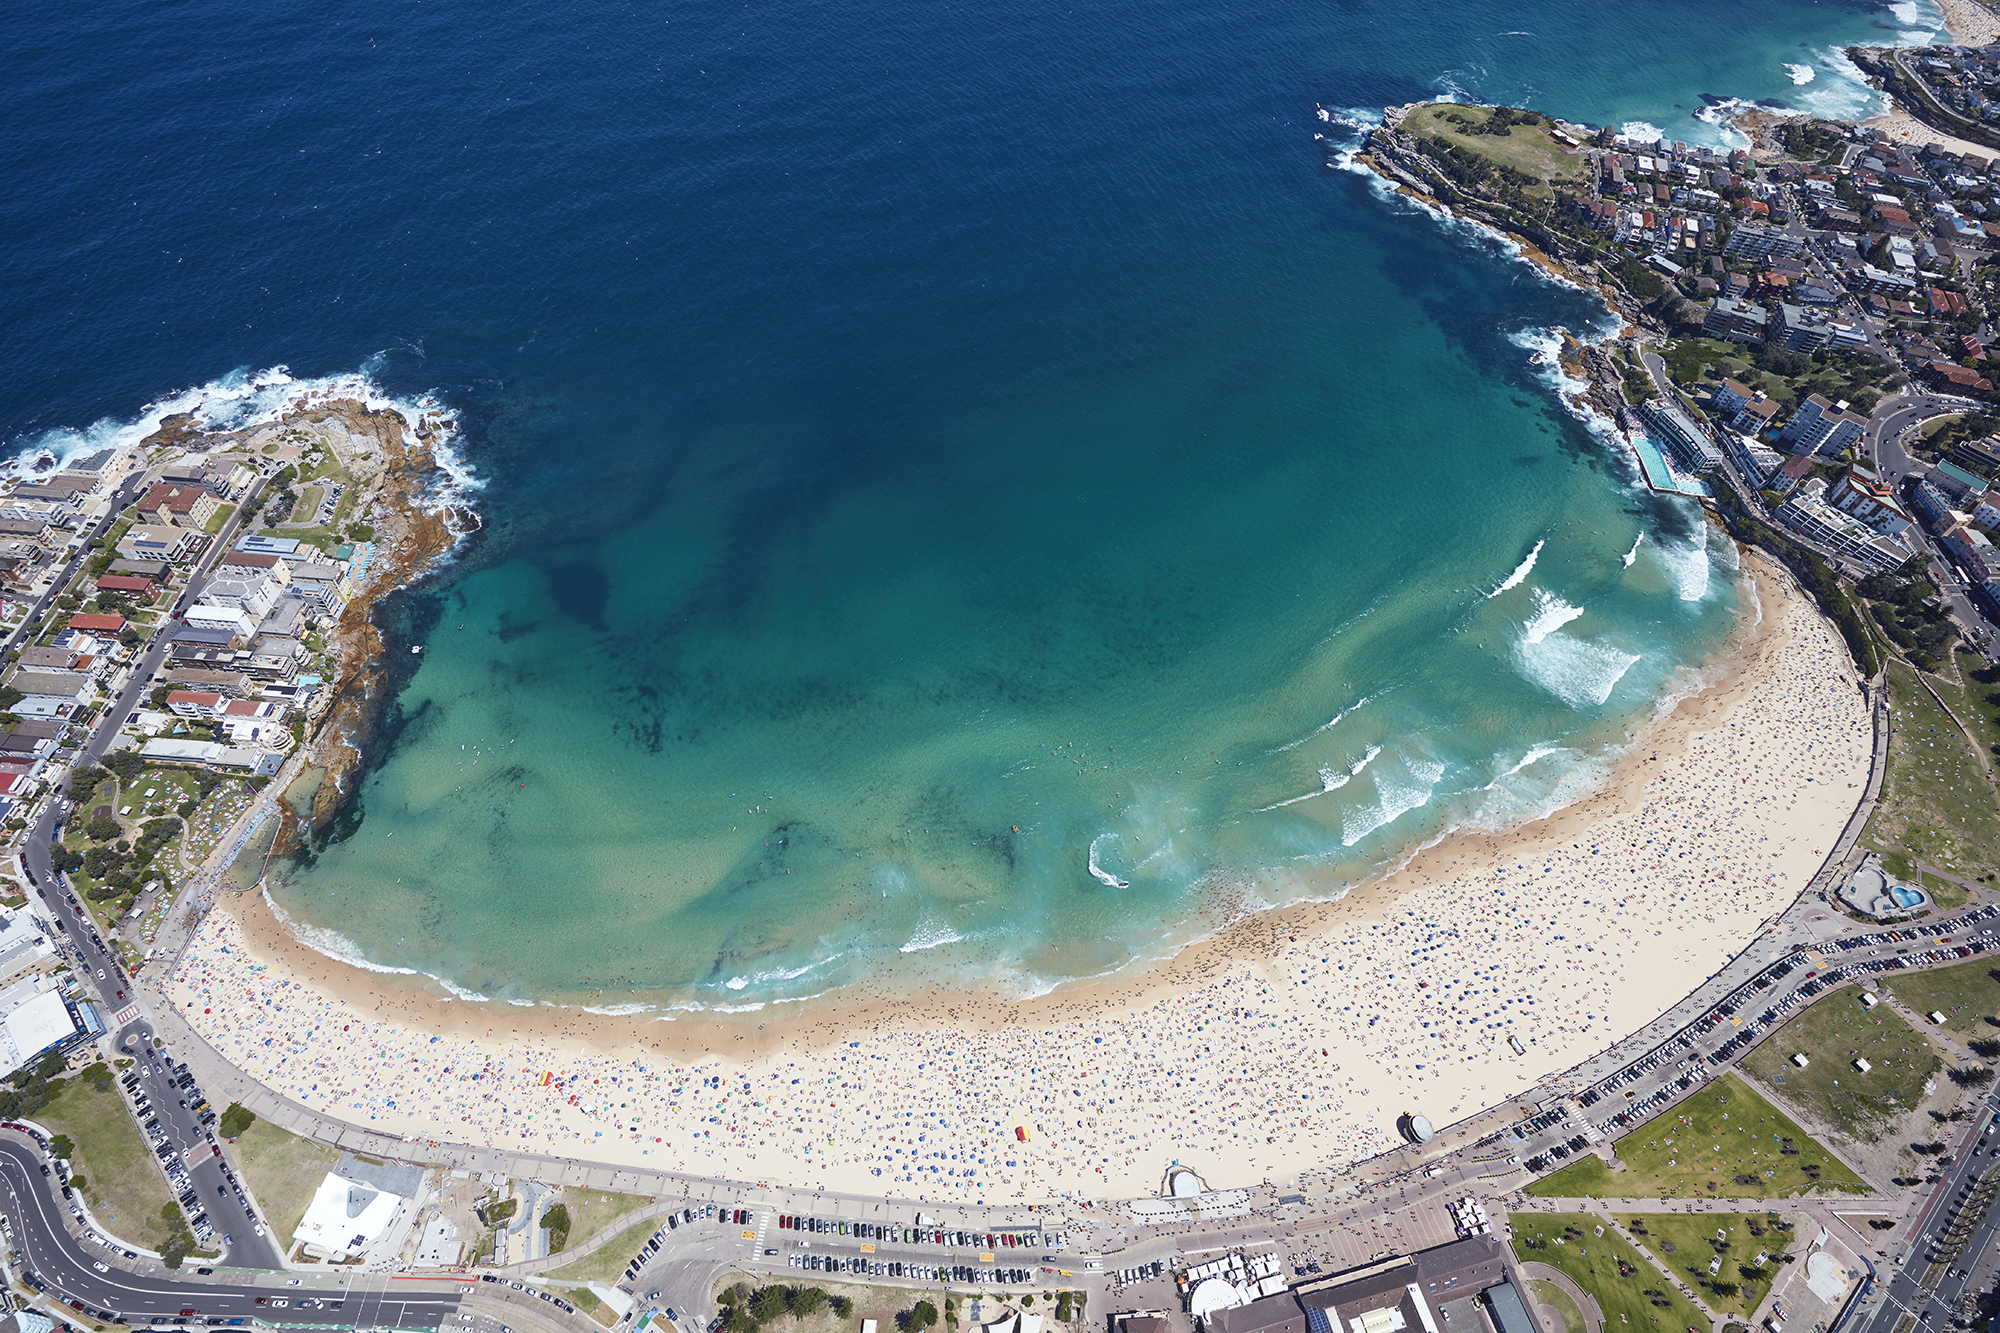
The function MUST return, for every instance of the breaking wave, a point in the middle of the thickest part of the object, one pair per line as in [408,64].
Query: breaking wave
[1577,671]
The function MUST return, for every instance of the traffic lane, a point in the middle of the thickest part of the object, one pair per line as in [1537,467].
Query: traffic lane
[66,1267]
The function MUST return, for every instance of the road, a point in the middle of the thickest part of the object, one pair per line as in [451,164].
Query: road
[84,1275]
[1893,418]
[1906,1293]
[99,968]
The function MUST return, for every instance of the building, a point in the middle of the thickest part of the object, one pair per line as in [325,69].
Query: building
[1949,377]
[1972,551]
[231,618]
[253,596]
[1820,427]
[127,585]
[1757,416]
[1728,398]
[1955,481]
[159,571]
[357,1205]
[1865,495]
[35,1020]
[259,763]
[25,946]
[100,624]
[240,564]
[1807,513]
[1931,506]
[233,683]
[1753,240]
[149,541]
[1688,443]
[325,586]
[1981,456]
[1801,329]
[1402,1294]
[51,694]
[169,505]
[1736,320]
[189,703]
[285,548]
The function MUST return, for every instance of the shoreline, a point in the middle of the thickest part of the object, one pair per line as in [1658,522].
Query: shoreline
[1305,991]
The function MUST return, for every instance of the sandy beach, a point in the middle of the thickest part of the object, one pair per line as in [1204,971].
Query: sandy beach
[1288,1044]
[1969,22]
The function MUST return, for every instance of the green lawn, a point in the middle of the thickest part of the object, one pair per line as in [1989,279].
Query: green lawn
[282,1171]
[1832,1032]
[1525,148]
[1549,1294]
[1968,995]
[122,1178]
[591,1211]
[605,1263]
[1707,1146]
[1688,1244]
[218,519]
[1937,804]
[1606,1266]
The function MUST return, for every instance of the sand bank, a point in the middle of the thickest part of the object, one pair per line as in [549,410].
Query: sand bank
[1288,1044]
[1969,22]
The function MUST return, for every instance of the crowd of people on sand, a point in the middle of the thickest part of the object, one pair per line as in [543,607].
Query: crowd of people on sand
[1298,1052]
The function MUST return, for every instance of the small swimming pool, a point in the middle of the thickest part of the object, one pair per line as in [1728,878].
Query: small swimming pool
[1905,897]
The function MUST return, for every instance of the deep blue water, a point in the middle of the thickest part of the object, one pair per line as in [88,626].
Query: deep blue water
[927,452]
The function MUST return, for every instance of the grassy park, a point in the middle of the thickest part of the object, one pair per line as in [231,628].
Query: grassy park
[1937,802]
[1689,1244]
[1967,995]
[1724,1141]
[282,1171]
[1632,1295]
[1832,1033]
[1527,149]
[591,1211]
[122,1182]
[605,1263]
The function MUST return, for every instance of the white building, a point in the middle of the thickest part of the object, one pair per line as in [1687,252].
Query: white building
[1820,427]
[357,1206]
[232,618]
[254,595]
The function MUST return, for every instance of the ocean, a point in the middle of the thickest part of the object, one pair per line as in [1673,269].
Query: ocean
[970,494]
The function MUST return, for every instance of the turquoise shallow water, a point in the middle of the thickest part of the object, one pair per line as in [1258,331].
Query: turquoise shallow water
[945,472]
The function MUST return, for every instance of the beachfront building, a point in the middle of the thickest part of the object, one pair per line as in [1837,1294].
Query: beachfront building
[1401,1295]
[255,596]
[1955,481]
[359,1207]
[1817,426]
[1688,444]
[1807,513]
[210,754]
[233,619]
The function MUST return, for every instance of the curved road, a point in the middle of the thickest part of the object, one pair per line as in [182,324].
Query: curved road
[83,1276]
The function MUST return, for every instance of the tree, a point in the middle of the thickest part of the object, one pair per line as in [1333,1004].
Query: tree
[923,1315]
[1978,1076]
[127,764]
[66,859]
[842,1307]
[103,828]
[78,1182]
[803,1301]
[238,1118]
[60,1146]
[738,1320]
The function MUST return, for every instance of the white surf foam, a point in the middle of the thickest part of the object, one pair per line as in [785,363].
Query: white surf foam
[1330,779]
[1535,755]
[1801,74]
[929,935]
[1721,121]
[1643,131]
[1098,872]
[1844,93]
[774,974]
[1329,724]
[332,944]
[244,398]
[1633,554]
[1395,796]
[1521,571]
[1687,566]
[1579,672]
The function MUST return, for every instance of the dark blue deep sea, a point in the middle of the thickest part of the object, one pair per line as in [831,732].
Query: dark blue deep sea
[946,468]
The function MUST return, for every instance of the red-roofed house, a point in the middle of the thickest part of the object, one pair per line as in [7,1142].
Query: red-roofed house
[130,585]
[189,703]
[178,506]
[92,622]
